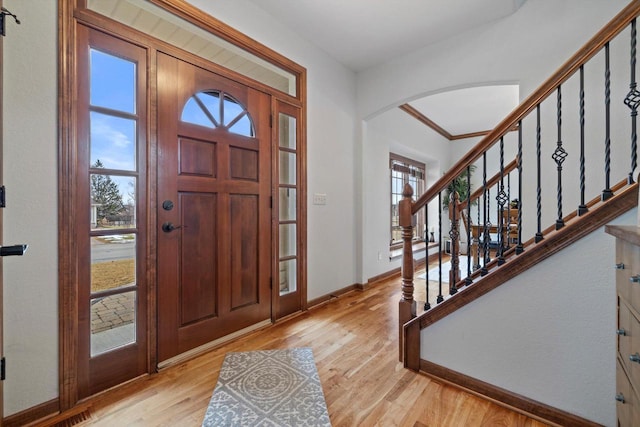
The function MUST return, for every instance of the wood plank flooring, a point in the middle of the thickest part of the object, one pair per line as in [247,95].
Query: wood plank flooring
[354,342]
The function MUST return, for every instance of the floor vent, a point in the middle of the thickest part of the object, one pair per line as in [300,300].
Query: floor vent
[74,420]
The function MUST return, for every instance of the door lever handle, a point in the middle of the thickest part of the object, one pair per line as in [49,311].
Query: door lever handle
[168,227]
[13,250]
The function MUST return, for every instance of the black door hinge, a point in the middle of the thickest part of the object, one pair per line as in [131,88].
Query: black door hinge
[270,286]
[3,200]
[270,120]
[271,202]
[3,364]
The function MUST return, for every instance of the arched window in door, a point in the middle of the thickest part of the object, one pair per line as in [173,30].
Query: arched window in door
[217,110]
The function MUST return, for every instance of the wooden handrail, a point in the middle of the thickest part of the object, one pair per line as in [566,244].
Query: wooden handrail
[590,49]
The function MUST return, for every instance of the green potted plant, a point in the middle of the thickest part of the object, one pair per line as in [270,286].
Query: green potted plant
[459,184]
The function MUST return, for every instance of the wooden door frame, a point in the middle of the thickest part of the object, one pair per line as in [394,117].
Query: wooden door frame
[70,14]
[1,223]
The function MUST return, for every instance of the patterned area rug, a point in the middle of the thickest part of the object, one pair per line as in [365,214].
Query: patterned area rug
[268,388]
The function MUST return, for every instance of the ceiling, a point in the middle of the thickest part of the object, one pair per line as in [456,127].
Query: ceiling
[364,33]
[469,110]
[358,33]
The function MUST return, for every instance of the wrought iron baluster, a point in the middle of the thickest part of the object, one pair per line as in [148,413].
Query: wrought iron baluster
[468,280]
[559,156]
[508,245]
[427,306]
[632,100]
[502,198]
[440,298]
[582,209]
[519,247]
[539,237]
[477,265]
[454,235]
[485,210]
[426,228]
[607,192]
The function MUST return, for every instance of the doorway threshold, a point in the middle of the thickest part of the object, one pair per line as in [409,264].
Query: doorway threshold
[183,357]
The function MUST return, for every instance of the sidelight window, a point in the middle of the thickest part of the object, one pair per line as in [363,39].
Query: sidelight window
[113,176]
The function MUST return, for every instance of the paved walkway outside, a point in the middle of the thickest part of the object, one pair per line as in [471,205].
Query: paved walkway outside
[112,322]
[112,311]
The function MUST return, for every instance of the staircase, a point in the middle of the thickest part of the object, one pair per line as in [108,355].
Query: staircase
[574,141]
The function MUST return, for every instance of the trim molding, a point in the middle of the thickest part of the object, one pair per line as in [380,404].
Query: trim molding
[335,294]
[391,274]
[502,397]
[35,413]
[439,129]
[396,272]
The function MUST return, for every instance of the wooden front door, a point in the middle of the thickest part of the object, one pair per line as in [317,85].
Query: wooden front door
[214,214]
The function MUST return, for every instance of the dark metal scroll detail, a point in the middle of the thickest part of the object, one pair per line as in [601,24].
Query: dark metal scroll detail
[607,193]
[539,236]
[427,306]
[454,234]
[559,156]
[487,225]
[632,101]
[468,279]
[582,208]
[502,199]
[477,241]
[519,247]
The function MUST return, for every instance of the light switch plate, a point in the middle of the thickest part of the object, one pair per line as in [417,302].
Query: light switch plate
[320,199]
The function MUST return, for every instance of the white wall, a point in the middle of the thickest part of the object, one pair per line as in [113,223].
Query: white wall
[516,49]
[337,148]
[498,339]
[547,334]
[399,133]
[30,152]
[331,136]
[30,175]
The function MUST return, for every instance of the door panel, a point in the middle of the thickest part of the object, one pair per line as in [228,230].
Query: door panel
[214,266]
[198,279]
[245,285]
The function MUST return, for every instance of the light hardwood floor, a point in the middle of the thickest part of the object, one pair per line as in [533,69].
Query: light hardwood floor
[355,345]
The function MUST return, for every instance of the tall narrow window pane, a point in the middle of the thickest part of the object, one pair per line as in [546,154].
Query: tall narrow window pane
[113,142]
[405,171]
[287,204]
[287,240]
[288,282]
[287,168]
[287,131]
[113,322]
[113,82]
[113,262]
[113,201]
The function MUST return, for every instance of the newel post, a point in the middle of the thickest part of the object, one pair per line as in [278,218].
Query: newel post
[407,303]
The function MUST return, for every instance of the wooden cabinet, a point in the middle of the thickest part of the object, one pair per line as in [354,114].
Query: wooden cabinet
[627,265]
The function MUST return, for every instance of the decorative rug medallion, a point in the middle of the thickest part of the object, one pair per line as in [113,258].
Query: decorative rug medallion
[268,388]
